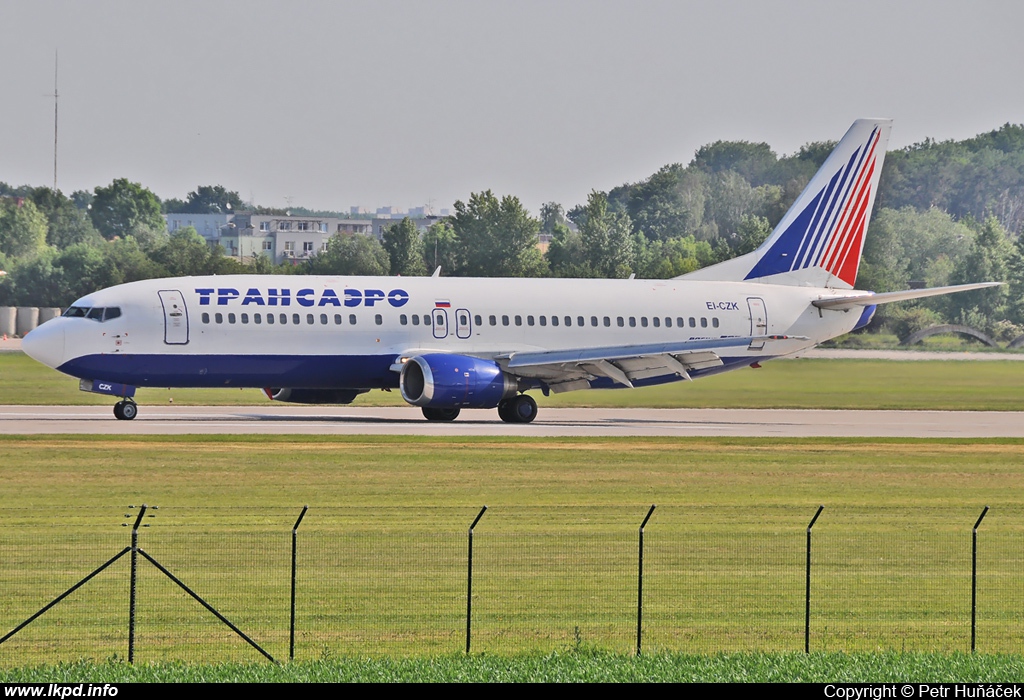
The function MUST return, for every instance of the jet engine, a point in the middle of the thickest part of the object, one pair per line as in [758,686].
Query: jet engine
[335,396]
[455,381]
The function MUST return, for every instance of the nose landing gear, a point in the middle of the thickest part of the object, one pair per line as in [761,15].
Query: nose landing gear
[126,410]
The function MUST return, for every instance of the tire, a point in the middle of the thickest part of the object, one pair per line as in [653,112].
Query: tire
[128,410]
[524,409]
[117,410]
[441,414]
[505,411]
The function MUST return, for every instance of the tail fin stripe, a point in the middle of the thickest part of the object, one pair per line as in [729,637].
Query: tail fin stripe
[827,243]
[848,271]
[827,224]
[861,190]
[824,211]
[851,232]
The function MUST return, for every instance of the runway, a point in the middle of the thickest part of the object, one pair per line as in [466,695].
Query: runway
[552,422]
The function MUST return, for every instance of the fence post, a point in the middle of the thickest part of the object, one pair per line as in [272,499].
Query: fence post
[291,627]
[469,578]
[131,593]
[807,587]
[640,583]
[974,577]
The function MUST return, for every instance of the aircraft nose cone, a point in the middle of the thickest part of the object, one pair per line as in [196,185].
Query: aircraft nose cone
[46,343]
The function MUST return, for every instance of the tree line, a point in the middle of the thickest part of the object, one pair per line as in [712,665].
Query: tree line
[946,213]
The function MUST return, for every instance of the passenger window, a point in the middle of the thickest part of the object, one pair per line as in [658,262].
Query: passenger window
[519,320]
[351,319]
[218,317]
[493,320]
[270,319]
[231,318]
[593,321]
[323,319]
[607,322]
[439,319]
[544,320]
[206,317]
[580,321]
[283,318]
[714,322]
[703,322]
[426,319]
[679,321]
[479,320]
[309,319]
[632,321]
[404,320]
[378,319]
[257,318]
[415,319]
[620,321]
[245,319]
[295,319]
[657,322]
[693,322]
[668,322]
[504,320]
[643,321]
[337,319]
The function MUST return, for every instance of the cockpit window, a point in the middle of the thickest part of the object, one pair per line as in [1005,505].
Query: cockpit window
[96,313]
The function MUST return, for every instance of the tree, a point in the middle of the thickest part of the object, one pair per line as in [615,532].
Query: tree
[206,199]
[124,207]
[22,228]
[185,253]
[66,223]
[351,254]
[551,215]
[441,248]
[499,237]
[405,251]
[607,238]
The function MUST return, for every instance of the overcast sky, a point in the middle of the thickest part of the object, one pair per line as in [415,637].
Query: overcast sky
[411,102]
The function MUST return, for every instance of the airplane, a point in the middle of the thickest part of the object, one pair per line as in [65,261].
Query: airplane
[449,344]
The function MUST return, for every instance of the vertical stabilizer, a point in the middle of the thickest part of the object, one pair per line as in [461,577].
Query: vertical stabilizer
[819,240]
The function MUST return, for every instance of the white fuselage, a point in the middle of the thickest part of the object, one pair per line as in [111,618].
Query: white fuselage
[347,332]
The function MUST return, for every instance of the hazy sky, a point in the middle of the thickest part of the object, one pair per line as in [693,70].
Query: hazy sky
[406,103]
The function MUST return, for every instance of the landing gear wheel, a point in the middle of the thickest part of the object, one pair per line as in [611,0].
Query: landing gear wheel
[125,410]
[523,409]
[440,414]
[505,411]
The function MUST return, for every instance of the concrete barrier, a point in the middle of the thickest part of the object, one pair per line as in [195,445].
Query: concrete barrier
[7,320]
[28,318]
[48,313]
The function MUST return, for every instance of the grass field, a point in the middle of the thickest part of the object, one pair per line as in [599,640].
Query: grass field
[942,385]
[382,550]
[561,667]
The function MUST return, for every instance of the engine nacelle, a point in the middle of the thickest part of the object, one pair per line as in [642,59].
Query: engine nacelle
[455,381]
[318,396]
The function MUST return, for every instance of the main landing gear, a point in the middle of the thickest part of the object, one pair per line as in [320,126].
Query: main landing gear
[126,410]
[519,409]
[440,414]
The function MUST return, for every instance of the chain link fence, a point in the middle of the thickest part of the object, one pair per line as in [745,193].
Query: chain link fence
[394,581]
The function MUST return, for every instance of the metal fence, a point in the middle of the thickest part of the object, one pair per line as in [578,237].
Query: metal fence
[398,581]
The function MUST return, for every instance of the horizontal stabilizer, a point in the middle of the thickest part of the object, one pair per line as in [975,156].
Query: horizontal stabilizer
[851,302]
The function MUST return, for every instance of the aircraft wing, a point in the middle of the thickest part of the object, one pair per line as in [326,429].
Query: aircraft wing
[849,302]
[568,370]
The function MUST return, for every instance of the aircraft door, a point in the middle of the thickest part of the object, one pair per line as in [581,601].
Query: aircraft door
[463,324]
[175,317]
[440,323]
[758,321]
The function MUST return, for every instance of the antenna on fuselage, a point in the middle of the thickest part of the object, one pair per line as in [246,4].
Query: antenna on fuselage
[437,272]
